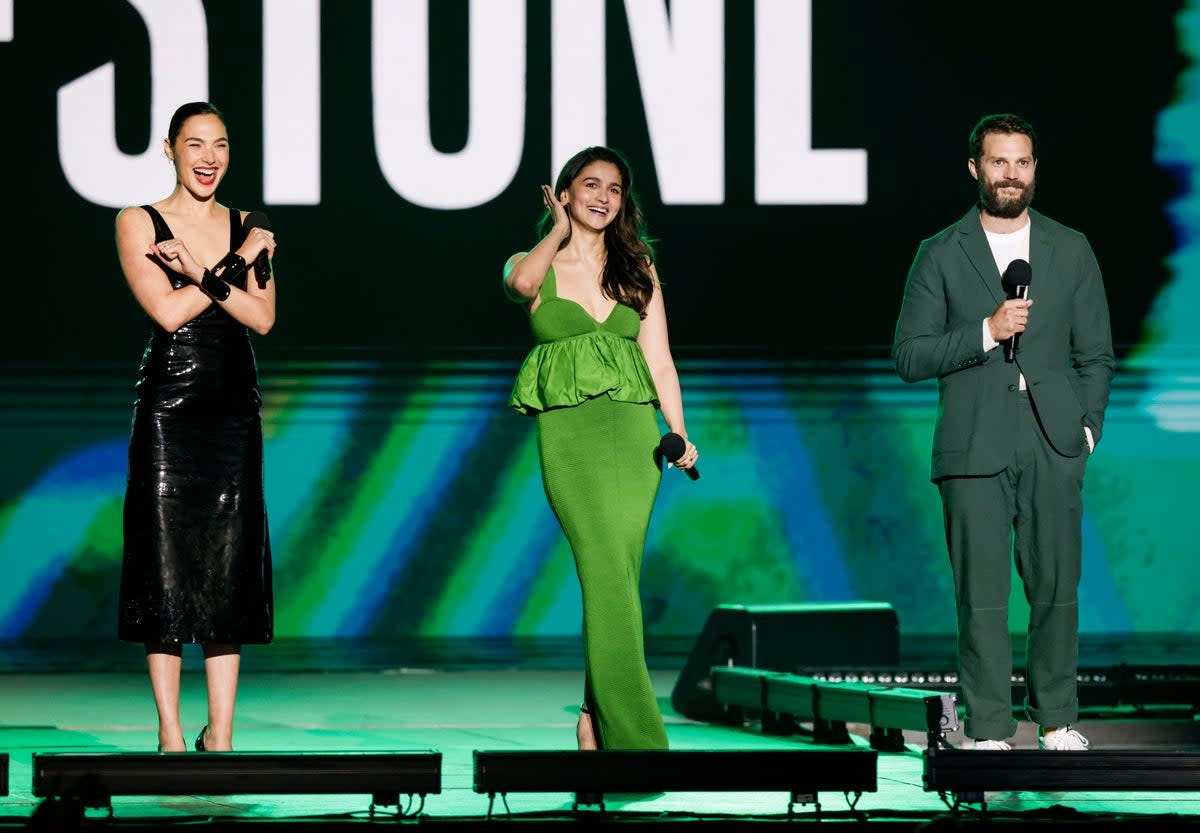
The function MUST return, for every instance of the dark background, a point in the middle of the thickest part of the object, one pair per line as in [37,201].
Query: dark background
[905,81]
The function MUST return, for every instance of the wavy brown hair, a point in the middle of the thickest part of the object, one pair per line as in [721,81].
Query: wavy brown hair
[629,251]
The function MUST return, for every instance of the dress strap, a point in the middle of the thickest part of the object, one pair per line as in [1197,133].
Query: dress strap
[161,230]
[236,235]
[549,286]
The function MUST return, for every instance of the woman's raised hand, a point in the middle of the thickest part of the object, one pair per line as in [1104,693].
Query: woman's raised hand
[558,210]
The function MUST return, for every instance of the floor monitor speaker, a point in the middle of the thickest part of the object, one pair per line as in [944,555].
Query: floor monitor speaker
[784,637]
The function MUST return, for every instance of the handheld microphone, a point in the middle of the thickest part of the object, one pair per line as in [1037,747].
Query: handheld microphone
[1016,281]
[672,447]
[262,263]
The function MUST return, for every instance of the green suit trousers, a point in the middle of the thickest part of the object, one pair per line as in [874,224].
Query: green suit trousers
[1032,509]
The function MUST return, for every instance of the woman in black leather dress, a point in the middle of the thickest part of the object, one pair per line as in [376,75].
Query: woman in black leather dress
[197,561]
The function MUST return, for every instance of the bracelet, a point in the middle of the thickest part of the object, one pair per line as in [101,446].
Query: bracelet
[214,287]
[230,267]
[216,281]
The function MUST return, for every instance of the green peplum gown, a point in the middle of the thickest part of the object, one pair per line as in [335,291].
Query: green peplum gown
[587,384]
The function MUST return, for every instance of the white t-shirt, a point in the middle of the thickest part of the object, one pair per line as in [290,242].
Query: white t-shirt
[1006,248]
[1009,247]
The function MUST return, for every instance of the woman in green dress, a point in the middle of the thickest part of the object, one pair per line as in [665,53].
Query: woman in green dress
[601,365]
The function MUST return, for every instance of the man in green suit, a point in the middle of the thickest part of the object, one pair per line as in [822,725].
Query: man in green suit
[1015,426]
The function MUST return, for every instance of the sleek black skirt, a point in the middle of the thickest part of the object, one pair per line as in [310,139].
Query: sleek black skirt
[197,562]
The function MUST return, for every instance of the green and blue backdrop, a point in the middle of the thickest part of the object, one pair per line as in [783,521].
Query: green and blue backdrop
[790,155]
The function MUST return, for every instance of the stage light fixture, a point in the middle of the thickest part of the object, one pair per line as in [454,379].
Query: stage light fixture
[966,774]
[791,699]
[94,778]
[1143,685]
[895,709]
[884,675]
[742,688]
[782,700]
[743,693]
[590,775]
[790,694]
[1099,687]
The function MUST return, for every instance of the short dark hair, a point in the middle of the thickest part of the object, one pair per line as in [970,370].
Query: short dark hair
[1000,123]
[185,112]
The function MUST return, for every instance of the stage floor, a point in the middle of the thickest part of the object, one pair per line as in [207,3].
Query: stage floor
[459,711]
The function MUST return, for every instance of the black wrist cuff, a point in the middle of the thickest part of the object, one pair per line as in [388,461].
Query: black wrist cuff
[214,287]
[230,267]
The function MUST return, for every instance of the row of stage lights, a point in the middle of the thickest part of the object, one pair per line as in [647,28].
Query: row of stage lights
[83,780]
[780,702]
[1139,687]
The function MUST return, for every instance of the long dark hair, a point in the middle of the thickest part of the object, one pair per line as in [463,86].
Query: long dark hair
[629,251]
[185,112]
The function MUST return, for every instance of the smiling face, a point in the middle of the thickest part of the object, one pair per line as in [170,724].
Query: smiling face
[1005,171]
[200,154]
[594,196]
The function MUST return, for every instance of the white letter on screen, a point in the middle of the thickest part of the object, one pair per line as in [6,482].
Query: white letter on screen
[87,136]
[292,102]
[486,165]
[577,98]
[681,71]
[787,171]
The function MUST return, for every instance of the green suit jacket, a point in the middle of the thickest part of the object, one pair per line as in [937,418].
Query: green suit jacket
[1065,352]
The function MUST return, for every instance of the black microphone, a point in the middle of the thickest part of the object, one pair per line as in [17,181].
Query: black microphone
[1016,286]
[672,447]
[262,263]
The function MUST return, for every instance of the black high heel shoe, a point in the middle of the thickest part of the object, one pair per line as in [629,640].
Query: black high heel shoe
[200,739]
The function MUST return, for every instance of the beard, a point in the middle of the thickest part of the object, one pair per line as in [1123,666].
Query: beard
[998,205]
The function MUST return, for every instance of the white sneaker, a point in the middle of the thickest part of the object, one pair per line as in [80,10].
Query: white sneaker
[1065,739]
[993,745]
